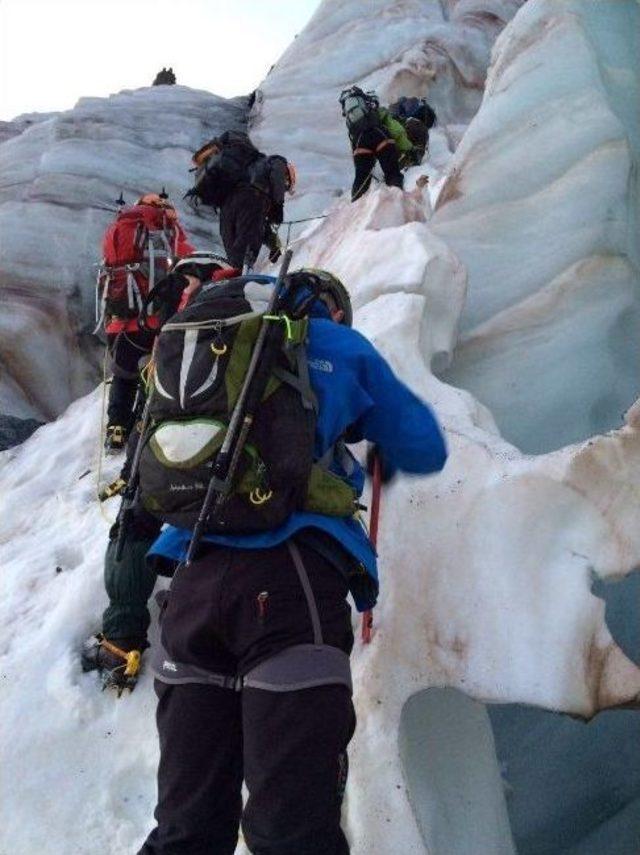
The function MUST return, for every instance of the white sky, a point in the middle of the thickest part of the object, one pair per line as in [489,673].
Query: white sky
[53,52]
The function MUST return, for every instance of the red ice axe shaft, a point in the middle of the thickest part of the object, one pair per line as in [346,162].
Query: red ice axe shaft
[367,617]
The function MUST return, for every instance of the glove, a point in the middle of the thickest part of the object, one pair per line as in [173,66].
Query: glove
[272,242]
[387,472]
[275,254]
[165,296]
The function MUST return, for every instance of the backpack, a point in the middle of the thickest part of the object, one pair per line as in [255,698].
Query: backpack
[137,251]
[261,173]
[222,165]
[200,362]
[414,108]
[360,110]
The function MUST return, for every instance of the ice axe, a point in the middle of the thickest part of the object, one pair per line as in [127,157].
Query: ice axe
[376,490]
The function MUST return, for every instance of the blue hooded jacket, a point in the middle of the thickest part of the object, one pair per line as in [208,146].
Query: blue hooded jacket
[358,391]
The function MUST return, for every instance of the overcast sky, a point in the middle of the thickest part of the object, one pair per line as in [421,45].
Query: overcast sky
[53,52]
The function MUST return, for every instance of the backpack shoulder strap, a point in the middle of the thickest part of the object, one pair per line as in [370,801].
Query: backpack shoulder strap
[300,380]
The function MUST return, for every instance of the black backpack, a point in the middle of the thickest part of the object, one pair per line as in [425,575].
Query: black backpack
[360,110]
[200,362]
[413,108]
[225,168]
[261,172]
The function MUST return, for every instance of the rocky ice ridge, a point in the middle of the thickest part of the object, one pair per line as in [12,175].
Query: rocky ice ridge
[490,596]
[59,178]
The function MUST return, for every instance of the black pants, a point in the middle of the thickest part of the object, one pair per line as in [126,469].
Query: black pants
[126,349]
[242,221]
[227,612]
[370,146]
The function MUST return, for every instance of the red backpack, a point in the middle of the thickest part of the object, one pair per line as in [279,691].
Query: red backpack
[138,250]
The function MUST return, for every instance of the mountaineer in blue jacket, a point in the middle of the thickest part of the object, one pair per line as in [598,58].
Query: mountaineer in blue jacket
[253,679]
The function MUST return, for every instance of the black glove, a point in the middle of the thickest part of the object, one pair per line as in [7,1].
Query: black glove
[166,295]
[275,254]
[272,242]
[387,472]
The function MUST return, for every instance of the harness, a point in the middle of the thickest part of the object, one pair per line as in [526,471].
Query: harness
[301,666]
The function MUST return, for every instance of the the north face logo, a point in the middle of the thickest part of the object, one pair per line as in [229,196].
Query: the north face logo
[321,365]
[169,666]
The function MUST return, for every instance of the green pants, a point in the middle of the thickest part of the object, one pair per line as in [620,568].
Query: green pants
[129,584]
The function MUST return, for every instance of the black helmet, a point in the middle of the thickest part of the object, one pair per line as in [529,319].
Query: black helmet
[332,292]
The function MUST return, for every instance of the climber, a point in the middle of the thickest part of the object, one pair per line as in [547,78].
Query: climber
[128,580]
[418,118]
[374,134]
[253,676]
[248,187]
[138,248]
[166,77]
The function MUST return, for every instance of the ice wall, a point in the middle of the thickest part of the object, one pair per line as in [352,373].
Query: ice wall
[541,206]
[59,176]
[434,48]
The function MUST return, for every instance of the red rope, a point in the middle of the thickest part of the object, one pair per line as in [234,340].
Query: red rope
[367,617]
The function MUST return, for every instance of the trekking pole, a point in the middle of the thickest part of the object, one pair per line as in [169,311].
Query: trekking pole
[130,493]
[376,490]
[256,379]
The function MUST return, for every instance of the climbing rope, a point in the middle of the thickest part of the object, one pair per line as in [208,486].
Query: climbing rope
[103,425]
[289,223]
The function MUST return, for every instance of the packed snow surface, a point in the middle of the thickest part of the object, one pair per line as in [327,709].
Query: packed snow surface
[486,569]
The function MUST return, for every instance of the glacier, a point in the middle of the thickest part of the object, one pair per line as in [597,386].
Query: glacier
[489,614]
[60,176]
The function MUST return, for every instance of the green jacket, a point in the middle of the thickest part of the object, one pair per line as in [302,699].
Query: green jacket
[396,130]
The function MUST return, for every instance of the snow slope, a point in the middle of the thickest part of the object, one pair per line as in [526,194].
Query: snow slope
[58,174]
[466,601]
[490,595]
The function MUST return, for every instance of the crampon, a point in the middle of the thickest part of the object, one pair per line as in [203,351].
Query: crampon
[119,667]
[116,488]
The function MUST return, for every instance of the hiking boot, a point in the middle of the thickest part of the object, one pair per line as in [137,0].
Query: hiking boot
[118,661]
[116,439]
[116,488]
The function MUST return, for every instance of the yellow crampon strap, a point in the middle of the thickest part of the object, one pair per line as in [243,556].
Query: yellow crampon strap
[131,657]
[114,489]
[133,663]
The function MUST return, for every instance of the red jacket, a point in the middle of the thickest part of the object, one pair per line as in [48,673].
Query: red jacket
[111,251]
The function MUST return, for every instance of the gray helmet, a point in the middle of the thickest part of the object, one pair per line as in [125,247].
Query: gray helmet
[332,292]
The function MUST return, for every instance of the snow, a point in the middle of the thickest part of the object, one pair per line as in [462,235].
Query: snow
[487,569]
